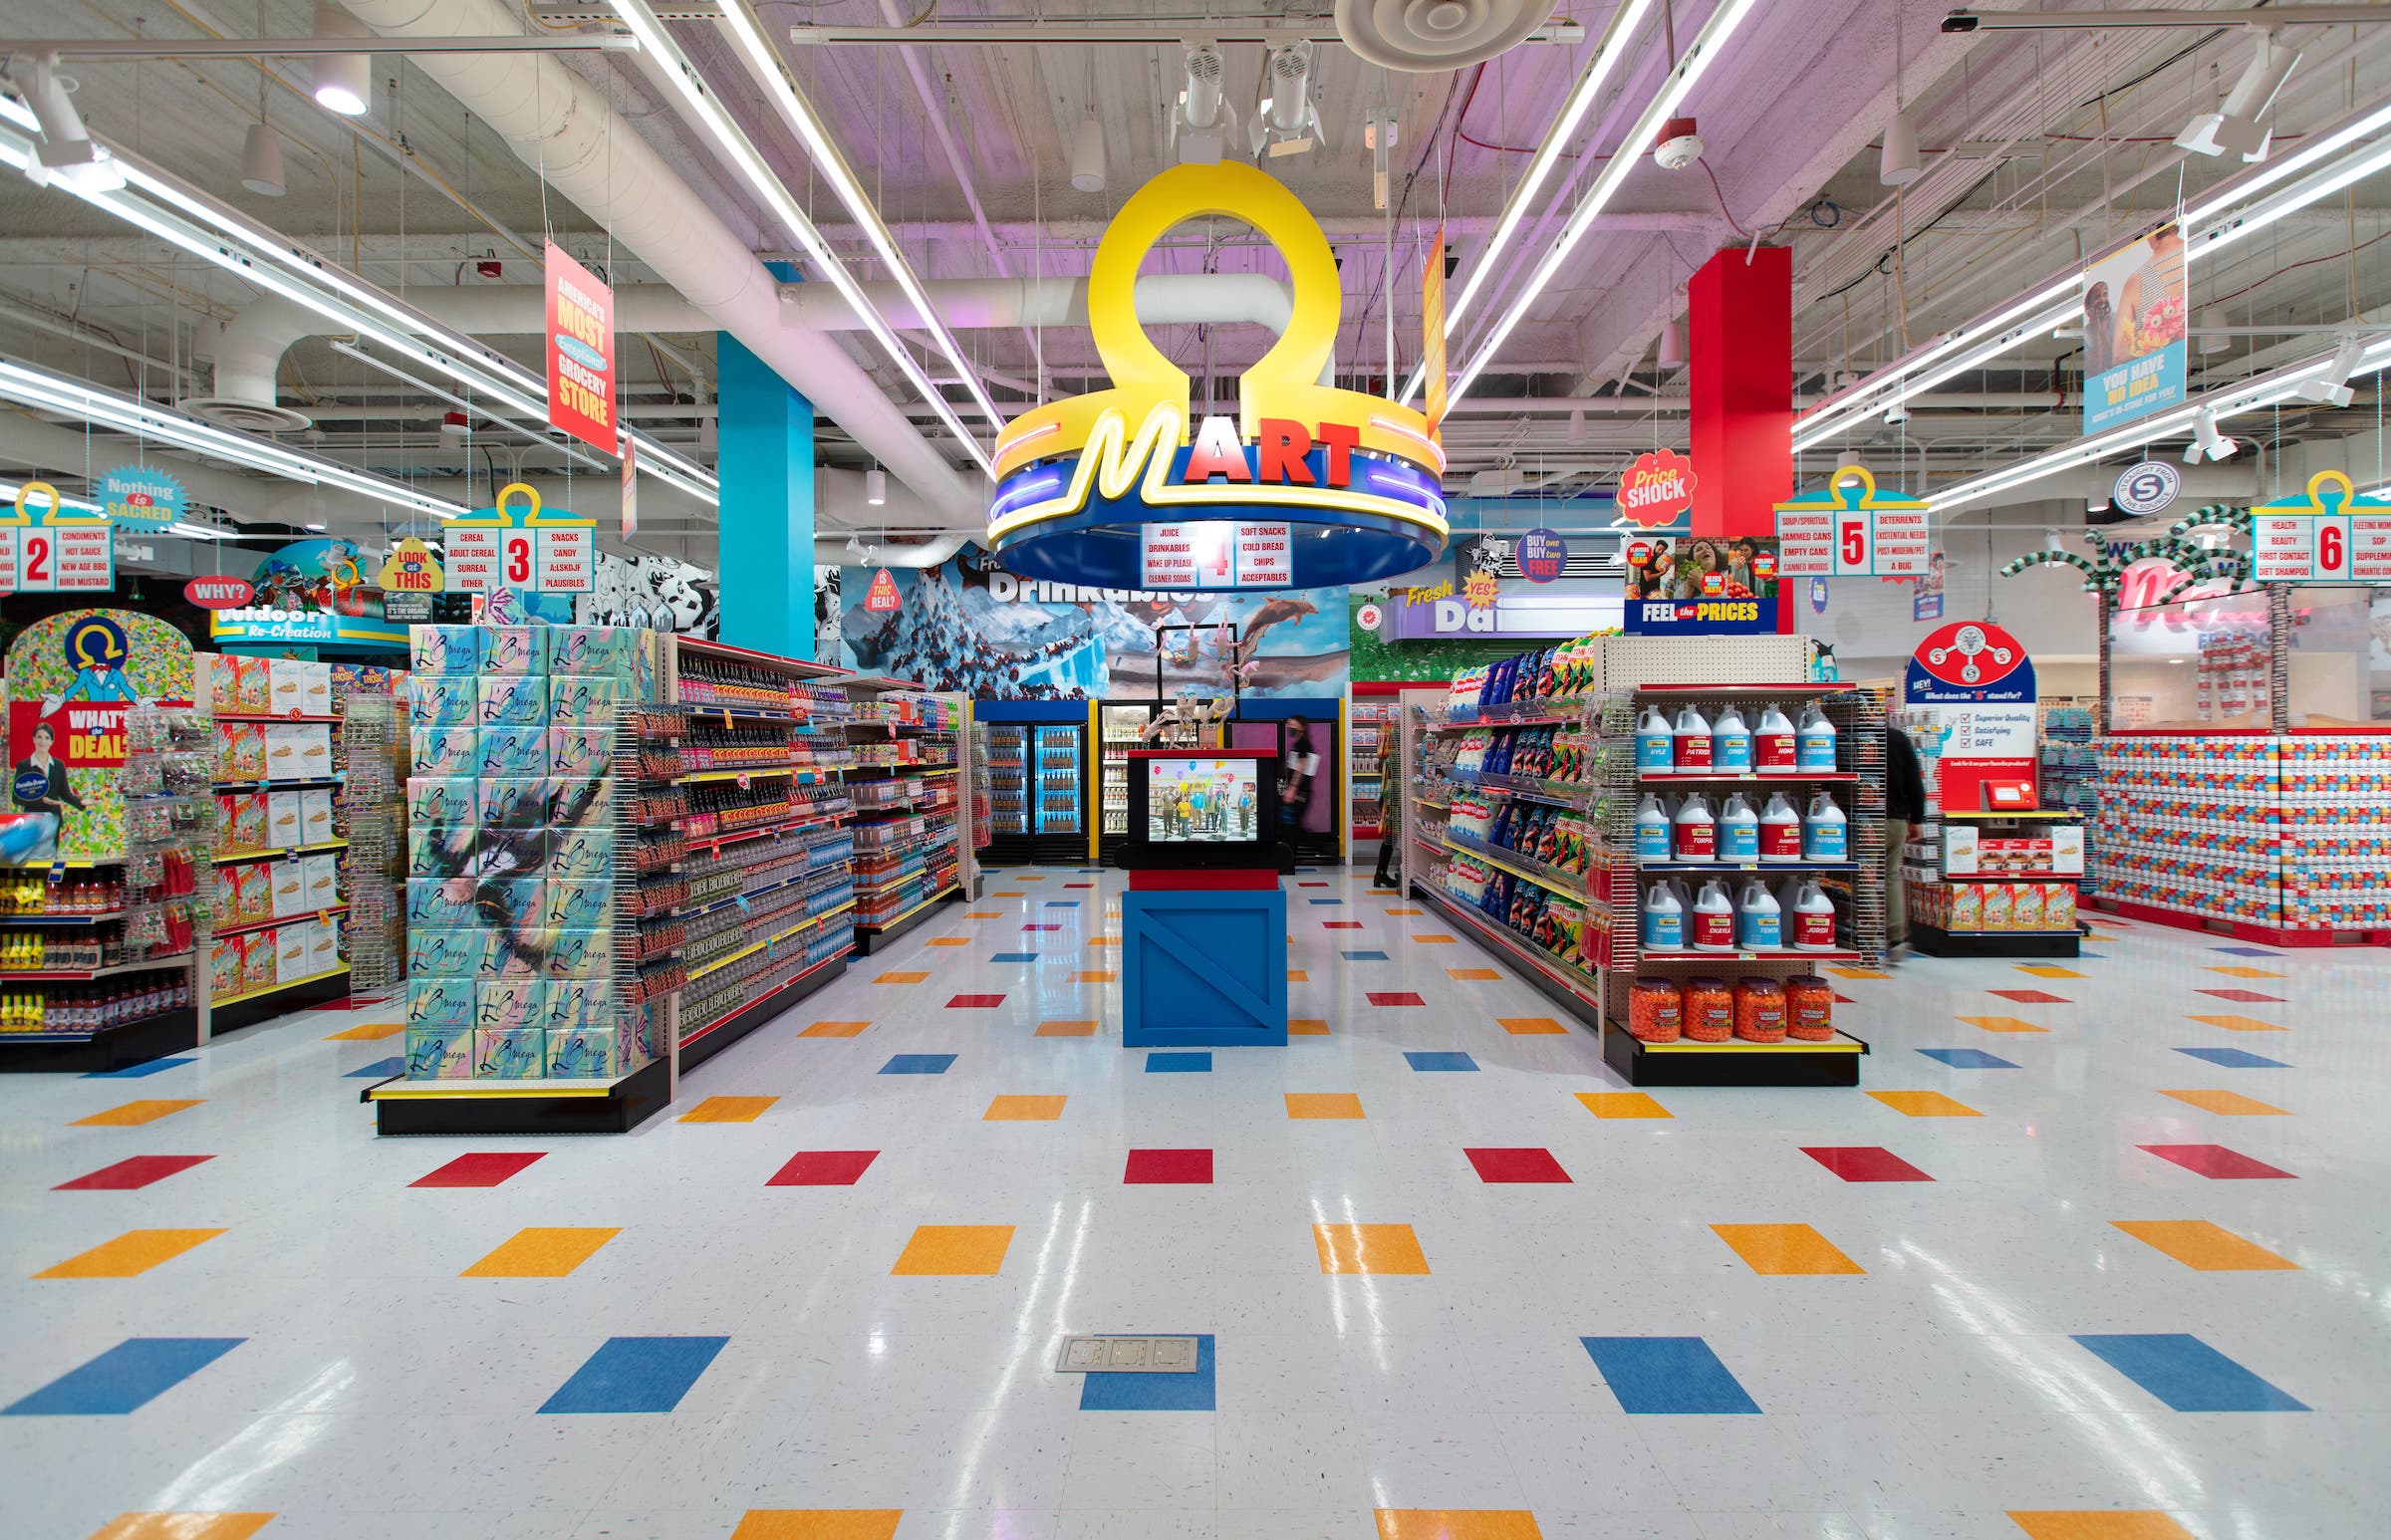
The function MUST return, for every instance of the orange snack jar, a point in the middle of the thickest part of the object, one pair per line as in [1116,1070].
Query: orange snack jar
[1656,1010]
[1760,1011]
[1709,1010]
[1809,1009]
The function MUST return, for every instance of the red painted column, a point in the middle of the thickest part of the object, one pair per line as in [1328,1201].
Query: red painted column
[1740,347]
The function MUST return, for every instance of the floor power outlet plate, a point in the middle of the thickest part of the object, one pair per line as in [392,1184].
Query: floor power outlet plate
[1128,1355]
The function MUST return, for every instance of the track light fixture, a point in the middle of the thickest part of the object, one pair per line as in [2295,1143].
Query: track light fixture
[1284,121]
[341,82]
[65,149]
[2234,128]
[1202,120]
[2206,441]
[2331,390]
[876,487]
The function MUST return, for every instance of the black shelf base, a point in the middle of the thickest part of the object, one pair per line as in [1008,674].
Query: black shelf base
[1938,943]
[1577,1008]
[282,1002]
[120,1048]
[750,1017]
[632,1100]
[871,938]
[1774,1064]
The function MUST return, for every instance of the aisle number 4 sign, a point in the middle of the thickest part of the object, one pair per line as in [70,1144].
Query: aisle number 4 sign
[1848,529]
[57,550]
[2327,534]
[516,544]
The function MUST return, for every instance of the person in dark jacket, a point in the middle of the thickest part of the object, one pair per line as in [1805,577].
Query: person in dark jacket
[1905,804]
[54,794]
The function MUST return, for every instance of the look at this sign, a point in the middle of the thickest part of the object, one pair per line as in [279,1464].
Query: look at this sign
[517,546]
[48,548]
[411,569]
[1312,487]
[1656,489]
[581,352]
[1848,529]
[2326,534]
[1977,684]
[139,500]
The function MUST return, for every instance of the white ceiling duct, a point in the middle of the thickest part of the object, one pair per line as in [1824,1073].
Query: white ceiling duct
[1425,36]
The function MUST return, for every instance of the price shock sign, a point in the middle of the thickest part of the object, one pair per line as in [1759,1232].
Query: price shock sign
[516,544]
[1848,529]
[2326,534]
[56,550]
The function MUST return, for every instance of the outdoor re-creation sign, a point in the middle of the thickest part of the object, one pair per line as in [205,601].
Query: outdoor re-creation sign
[48,548]
[1848,529]
[519,546]
[581,352]
[140,500]
[1352,477]
[2325,534]
[2134,330]
[1979,683]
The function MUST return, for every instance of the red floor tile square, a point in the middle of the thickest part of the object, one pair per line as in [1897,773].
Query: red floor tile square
[2216,1162]
[1041,927]
[487,1169]
[824,1168]
[2244,997]
[1386,997]
[1311,885]
[1168,1168]
[2031,996]
[975,1002]
[128,1174]
[1340,924]
[1516,1165]
[1864,1162]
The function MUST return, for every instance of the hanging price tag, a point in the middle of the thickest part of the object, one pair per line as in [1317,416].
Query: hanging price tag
[56,550]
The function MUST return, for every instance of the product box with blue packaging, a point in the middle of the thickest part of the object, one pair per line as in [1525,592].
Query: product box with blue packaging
[447,800]
[577,1002]
[582,854]
[513,802]
[512,700]
[601,652]
[584,703]
[447,953]
[513,751]
[514,650]
[581,905]
[449,649]
[443,849]
[580,802]
[441,1002]
[509,1004]
[579,750]
[512,902]
[443,751]
[442,700]
[517,953]
[439,1053]
[581,955]
[440,904]
[586,1052]
[513,1053]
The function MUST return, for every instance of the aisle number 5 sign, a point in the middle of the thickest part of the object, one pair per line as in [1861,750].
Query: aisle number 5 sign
[516,544]
[1848,529]
[60,550]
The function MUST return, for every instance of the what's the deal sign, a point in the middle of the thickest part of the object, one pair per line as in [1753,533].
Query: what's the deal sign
[1848,529]
[2326,534]
[55,549]
[516,544]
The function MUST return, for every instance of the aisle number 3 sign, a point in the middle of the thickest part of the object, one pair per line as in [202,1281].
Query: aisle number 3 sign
[2327,534]
[516,544]
[57,550]
[1848,529]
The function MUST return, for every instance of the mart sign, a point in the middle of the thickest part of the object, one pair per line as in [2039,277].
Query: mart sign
[2327,534]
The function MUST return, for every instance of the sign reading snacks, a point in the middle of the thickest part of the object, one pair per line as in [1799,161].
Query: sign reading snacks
[1307,486]
[1848,529]
[2327,534]
[57,552]
[512,546]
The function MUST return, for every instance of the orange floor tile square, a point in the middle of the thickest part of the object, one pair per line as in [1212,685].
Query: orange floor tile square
[1857,973]
[129,1255]
[1458,1524]
[835,1029]
[1095,976]
[1472,975]
[1623,1104]
[1308,1026]
[2240,1024]
[1368,1248]
[1024,1108]
[1065,1029]
[1432,940]
[182,1526]
[1785,1250]
[2113,1524]
[729,1109]
[983,915]
[1532,1026]
[542,1251]
[1323,1104]
[2047,971]
[2238,971]
[2001,1024]
[1105,940]
[1406,912]
[370,1032]
[2229,1103]
[1015,893]
[1925,1104]
[901,978]
[131,1113]
[1298,977]
[947,940]
[2205,1247]
[818,1524]
[953,1251]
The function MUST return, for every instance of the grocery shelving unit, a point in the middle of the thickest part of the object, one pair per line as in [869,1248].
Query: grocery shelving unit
[1370,747]
[1117,733]
[912,822]
[1957,863]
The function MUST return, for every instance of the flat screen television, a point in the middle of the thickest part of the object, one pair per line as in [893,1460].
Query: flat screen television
[1202,808]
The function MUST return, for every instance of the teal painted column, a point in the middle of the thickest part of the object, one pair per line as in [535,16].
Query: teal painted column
[765,550]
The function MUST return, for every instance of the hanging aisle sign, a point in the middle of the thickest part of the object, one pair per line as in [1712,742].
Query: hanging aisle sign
[62,551]
[141,501]
[1431,336]
[1848,529]
[581,352]
[517,546]
[2327,534]
[2134,330]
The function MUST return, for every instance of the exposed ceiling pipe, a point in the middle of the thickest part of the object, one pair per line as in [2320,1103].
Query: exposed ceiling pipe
[563,127]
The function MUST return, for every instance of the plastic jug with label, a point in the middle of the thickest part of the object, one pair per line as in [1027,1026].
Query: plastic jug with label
[1697,832]
[1773,750]
[1813,918]
[1780,830]
[1731,743]
[1664,918]
[1655,747]
[1739,830]
[1825,833]
[1814,745]
[1693,734]
[1760,922]
[1652,829]
[1714,918]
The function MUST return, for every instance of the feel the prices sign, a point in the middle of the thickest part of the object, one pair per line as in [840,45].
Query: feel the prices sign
[519,546]
[2324,533]
[581,352]
[55,550]
[1848,529]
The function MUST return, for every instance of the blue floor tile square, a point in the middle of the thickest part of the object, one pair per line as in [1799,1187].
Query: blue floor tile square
[2094,956]
[1178,1064]
[1440,1061]
[2187,1374]
[1365,957]
[2236,1057]
[1062,903]
[1667,1376]
[138,1071]
[379,1069]
[917,1064]
[126,1377]
[1014,958]
[1969,1058]
[635,1374]
[2246,952]
[1326,903]
[1154,1393]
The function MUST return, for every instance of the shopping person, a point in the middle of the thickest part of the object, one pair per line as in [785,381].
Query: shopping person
[1905,804]
[1390,836]
[1295,781]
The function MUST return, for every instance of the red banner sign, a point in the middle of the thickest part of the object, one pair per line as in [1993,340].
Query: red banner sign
[218,593]
[1655,488]
[581,352]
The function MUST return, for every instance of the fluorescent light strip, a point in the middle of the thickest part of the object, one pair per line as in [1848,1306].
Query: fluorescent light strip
[742,154]
[1697,57]
[768,71]
[1975,342]
[2251,395]
[9,489]
[1616,40]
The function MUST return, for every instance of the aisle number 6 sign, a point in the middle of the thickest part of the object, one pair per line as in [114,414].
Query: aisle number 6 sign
[1848,529]
[59,550]
[514,544]
[2326,533]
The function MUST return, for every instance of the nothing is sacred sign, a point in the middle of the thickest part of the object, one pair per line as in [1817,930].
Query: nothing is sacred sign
[581,352]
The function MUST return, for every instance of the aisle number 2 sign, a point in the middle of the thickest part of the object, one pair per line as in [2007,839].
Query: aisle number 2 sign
[2327,534]
[56,551]
[1848,529]
[516,544]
